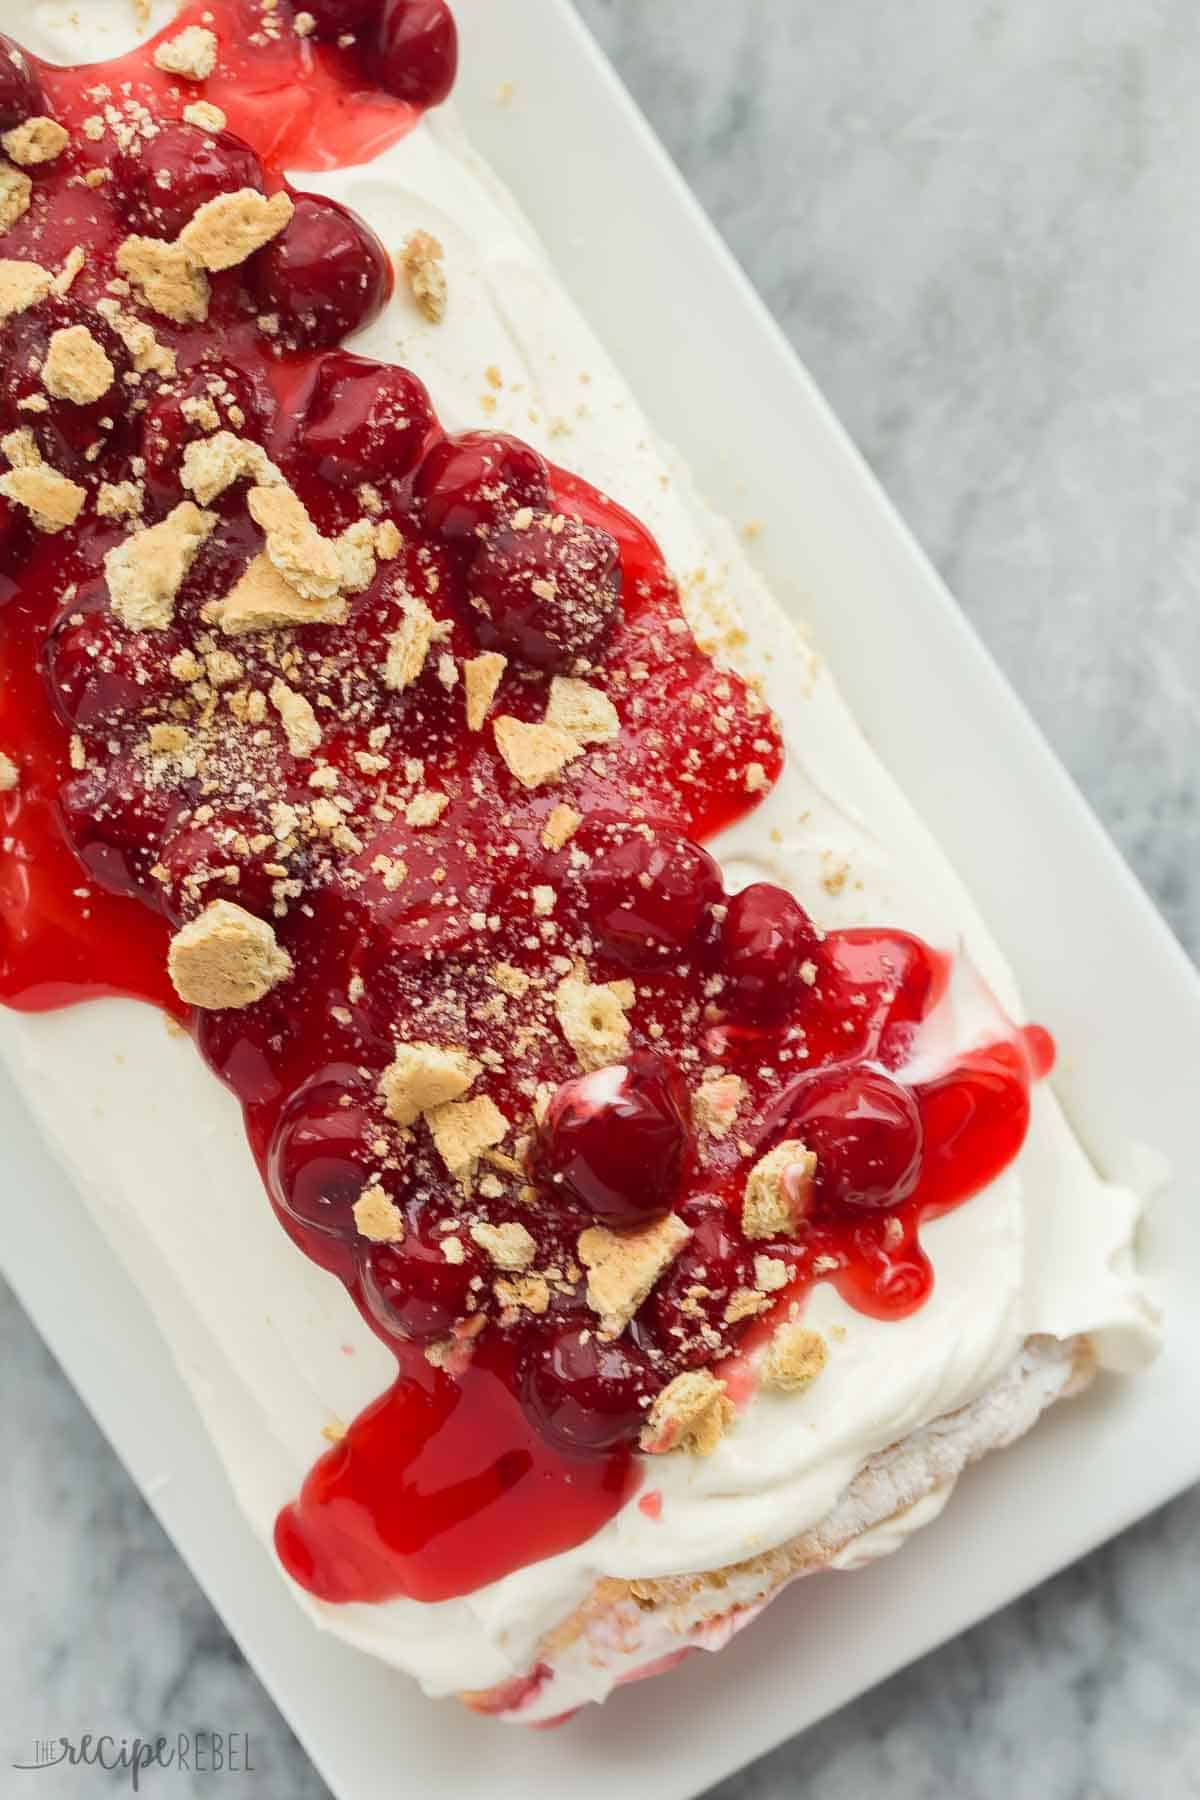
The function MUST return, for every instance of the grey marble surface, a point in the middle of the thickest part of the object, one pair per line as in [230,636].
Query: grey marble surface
[978,221]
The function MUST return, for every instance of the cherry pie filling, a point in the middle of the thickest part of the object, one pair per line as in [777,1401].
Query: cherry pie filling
[633,1039]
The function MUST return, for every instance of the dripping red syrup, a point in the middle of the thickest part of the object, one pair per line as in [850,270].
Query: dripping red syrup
[510,1432]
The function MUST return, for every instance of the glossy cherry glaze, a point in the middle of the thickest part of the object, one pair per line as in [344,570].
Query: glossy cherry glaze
[516,1440]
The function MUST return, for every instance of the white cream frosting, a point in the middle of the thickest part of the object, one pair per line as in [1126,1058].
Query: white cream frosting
[272,1347]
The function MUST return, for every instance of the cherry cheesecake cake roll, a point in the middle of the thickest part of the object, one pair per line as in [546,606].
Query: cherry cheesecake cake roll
[584,1150]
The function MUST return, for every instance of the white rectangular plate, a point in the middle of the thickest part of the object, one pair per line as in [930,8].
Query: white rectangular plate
[1094,958]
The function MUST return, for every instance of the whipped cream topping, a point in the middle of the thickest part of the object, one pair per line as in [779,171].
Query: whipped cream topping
[273,1349]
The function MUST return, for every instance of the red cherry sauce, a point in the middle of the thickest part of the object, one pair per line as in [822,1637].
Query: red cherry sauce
[508,1435]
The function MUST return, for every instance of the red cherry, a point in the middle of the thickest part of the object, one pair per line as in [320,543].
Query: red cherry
[583,1394]
[115,819]
[178,414]
[99,672]
[320,1158]
[615,1141]
[412,1288]
[416,52]
[65,431]
[864,1129]
[684,1318]
[21,94]
[648,893]
[214,862]
[162,180]
[365,420]
[766,940]
[469,484]
[323,277]
[549,598]
[334,17]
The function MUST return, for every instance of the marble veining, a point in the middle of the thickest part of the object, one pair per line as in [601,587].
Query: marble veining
[976,220]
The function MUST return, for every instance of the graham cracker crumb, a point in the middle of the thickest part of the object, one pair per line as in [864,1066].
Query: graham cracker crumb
[119,500]
[308,562]
[204,114]
[149,356]
[583,712]
[462,1130]
[9,774]
[73,262]
[261,600]
[481,677]
[147,569]
[76,367]
[770,1274]
[624,1266]
[715,1104]
[212,464]
[533,753]
[35,141]
[167,276]
[425,809]
[422,262]
[794,1359]
[16,191]
[409,646]
[560,827]
[191,54]
[423,1076]
[531,1292]
[592,1018]
[226,958]
[226,230]
[22,284]
[299,720]
[52,500]
[509,1246]
[692,1413]
[778,1190]
[377,1217]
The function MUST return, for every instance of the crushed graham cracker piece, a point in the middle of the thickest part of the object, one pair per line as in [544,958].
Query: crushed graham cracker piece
[462,1130]
[592,1018]
[147,569]
[261,600]
[192,53]
[356,550]
[692,1413]
[52,500]
[212,464]
[582,711]
[149,356]
[167,276]
[424,268]
[778,1190]
[377,1217]
[423,1076]
[35,141]
[531,1292]
[308,562]
[73,262]
[205,115]
[425,809]
[299,720]
[715,1104]
[481,677]
[535,754]
[9,774]
[744,1303]
[16,191]
[770,1274]
[409,646]
[22,284]
[509,1246]
[226,230]
[560,827]
[76,366]
[794,1359]
[119,500]
[226,958]
[623,1267]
